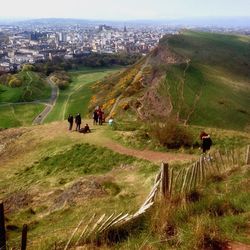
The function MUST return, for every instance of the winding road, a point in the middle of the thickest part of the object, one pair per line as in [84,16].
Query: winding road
[49,106]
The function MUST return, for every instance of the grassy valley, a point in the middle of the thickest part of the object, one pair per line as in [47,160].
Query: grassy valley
[76,97]
[20,104]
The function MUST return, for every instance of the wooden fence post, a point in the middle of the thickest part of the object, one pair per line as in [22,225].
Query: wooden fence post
[24,237]
[248,155]
[2,228]
[165,180]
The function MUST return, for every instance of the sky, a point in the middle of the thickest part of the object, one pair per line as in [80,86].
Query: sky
[123,9]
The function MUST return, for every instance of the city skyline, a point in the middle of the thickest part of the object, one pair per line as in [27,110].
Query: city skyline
[125,10]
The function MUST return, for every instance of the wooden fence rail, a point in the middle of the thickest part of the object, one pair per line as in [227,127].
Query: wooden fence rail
[168,182]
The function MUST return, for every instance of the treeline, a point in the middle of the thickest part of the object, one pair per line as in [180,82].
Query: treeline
[87,60]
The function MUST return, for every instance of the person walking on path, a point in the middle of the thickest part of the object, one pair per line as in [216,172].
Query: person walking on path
[78,121]
[206,142]
[70,120]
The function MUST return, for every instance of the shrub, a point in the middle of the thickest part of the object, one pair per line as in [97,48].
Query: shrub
[61,79]
[15,82]
[28,67]
[171,135]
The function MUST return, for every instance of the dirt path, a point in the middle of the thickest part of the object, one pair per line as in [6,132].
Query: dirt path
[49,106]
[98,137]
[238,246]
[153,156]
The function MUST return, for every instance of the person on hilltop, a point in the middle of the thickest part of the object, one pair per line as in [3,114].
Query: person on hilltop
[100,116]
[95,117]
[85,130]
[206,142]
[78,121]
[70,120]
[111,121]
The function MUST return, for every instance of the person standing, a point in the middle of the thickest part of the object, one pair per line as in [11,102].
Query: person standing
[206,142]
[95,117]
[100,116]
[78,121]
[70,120]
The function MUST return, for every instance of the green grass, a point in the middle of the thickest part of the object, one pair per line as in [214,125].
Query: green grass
[219,105]
[15,114]
[219,214]
[218,73]
[81,159]
[49,178]
[76,97]
[33,88]
[19,114]
[228,52]
[8,94]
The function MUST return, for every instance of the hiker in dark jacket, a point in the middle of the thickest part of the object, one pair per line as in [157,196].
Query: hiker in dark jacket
[95,117]
[78,121]
[85,130]
[206,142]
[70,120]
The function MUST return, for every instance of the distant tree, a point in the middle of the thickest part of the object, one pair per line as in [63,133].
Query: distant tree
[28,67]
[15,82]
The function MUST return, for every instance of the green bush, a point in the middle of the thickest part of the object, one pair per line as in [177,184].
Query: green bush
[28,67]
[15,82]
[61,79]
[171,135]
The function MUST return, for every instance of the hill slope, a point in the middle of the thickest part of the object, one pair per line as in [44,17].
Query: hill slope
[200,78]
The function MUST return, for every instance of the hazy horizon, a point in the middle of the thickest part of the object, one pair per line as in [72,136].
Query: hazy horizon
[120,10]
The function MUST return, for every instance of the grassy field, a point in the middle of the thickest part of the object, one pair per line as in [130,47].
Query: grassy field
[33,88]
[62,179]
[76,97]
[17,115]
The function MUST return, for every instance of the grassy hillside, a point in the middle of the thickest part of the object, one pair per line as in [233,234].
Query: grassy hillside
[61,178]
[16,107]
[18,115]
[214,217]
[200,78]
[32,87]
[215,90]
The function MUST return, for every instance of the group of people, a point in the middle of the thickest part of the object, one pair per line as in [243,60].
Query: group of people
[78,122]
[98,116]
